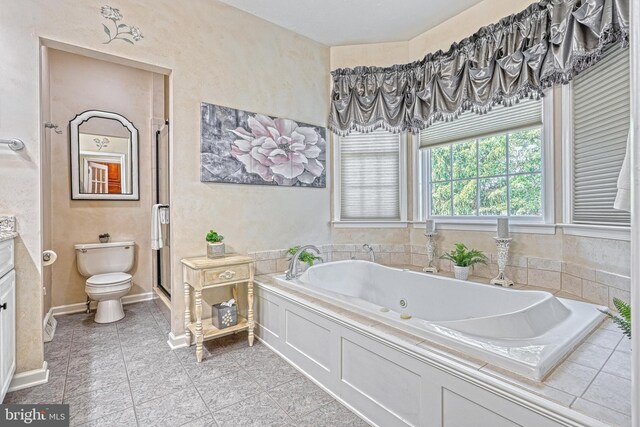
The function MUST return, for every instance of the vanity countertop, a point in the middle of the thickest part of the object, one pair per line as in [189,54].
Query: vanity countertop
[7,228]
[7,235]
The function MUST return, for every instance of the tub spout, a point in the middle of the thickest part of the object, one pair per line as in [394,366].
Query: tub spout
[292,272]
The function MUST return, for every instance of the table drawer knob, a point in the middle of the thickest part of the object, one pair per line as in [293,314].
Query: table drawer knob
[229,274]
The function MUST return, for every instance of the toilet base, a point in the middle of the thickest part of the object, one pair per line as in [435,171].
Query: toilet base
[109,311]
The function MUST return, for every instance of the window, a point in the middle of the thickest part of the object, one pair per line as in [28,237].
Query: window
[370,176]
[497,175]
[489,165]
[596,130]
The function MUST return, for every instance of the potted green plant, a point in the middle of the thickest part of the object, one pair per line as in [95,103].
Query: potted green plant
[104,238]
[623,321]
[215,247]
[307,257]
[463,258]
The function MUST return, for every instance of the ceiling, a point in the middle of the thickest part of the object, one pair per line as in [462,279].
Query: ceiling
[344,22]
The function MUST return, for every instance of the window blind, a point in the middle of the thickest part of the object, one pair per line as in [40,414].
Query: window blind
[370,176]
[470,125]
[601,119]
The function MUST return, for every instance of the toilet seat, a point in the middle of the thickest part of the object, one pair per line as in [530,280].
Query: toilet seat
[107,289]
[108,279]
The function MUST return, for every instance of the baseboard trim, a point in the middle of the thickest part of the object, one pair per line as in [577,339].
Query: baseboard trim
[179,341]
[49,332]
[162,296]
[47,316]
[82,306]
[31,378]
[147,296]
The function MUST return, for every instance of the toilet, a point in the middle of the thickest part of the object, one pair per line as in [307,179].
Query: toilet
[106,267]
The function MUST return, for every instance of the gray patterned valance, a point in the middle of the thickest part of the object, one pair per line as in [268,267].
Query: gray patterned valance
[548,43]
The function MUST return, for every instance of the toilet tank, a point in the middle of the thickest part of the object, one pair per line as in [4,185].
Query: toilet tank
[100,258]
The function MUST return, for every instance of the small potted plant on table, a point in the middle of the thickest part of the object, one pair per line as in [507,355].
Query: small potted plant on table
[215,247]
[463,258]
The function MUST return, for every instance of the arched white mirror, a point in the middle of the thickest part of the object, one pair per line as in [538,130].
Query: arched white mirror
[104,157]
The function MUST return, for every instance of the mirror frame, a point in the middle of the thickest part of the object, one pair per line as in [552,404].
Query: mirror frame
[74,158]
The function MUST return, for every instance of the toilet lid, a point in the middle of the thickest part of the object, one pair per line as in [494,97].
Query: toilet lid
[108,279]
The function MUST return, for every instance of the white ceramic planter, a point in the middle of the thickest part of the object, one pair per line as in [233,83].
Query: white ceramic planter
[461,273]
[215,250]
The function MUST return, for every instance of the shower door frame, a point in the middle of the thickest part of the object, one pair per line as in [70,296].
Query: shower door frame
[159,253]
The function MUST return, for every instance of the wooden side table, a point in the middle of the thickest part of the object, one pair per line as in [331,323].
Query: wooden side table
[202,273]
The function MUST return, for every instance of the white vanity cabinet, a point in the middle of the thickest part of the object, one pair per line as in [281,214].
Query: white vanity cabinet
[7,316]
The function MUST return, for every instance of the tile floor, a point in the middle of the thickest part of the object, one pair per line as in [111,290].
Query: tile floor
[124,374]
[595,379]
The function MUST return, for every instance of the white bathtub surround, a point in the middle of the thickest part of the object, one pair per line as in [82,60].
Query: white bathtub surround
[596,286]
[427,384]
[525,332]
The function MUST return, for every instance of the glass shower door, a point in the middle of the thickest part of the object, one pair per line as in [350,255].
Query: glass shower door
[163,257]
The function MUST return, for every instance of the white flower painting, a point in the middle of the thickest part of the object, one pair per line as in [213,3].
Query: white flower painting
[247,148]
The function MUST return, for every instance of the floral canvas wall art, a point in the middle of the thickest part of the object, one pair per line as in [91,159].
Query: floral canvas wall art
[247,148]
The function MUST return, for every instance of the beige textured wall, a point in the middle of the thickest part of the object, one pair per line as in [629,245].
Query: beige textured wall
[378,54]
[610,255]
[79,83]
[212,58]
[463,25]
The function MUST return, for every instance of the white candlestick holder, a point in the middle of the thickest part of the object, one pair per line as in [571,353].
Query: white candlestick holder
[503,254]
[431,251]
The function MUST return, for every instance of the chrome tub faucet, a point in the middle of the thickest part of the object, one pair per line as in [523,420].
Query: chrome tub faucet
[367,248]
[292,271]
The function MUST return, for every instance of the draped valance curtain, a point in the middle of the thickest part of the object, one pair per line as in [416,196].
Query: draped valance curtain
[548,43]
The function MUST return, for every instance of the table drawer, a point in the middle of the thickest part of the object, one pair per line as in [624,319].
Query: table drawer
[232,273]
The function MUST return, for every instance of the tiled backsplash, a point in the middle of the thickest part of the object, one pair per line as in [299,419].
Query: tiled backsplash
[593,285]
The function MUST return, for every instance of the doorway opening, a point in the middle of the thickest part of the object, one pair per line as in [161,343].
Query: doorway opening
[73,81]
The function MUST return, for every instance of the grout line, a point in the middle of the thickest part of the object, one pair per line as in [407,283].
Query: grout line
[289,416]
[596,376]
[124,361]
[75,328]
[198,391]
[66,373]
[600,404]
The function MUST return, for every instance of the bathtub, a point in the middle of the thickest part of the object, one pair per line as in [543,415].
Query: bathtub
[526,332]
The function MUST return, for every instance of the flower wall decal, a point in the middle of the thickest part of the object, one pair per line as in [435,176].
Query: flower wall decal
[247,148]
[122,31]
